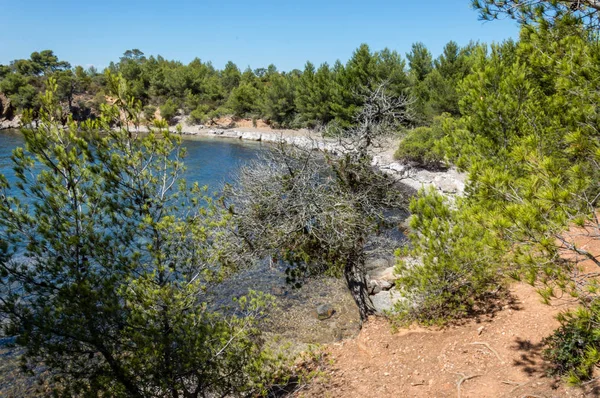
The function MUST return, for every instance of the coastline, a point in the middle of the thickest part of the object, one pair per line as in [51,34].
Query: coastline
[449,182]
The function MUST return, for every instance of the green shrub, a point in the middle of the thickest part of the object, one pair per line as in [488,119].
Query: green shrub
[99,99]
[199,115]
[149,112]
[168,110]
[217,113]
[457,267]
[573,349]
[421,145]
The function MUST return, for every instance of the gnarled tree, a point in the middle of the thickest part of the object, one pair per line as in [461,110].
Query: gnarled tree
[315,210]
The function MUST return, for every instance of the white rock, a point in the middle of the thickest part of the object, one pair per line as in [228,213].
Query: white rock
[386,274]
[251,136]
[397,167]
[384,301]
[231,134]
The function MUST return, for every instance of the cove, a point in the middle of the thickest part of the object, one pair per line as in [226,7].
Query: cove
[209,161]
[213,162]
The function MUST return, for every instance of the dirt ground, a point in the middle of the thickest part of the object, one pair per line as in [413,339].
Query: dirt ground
[495,356]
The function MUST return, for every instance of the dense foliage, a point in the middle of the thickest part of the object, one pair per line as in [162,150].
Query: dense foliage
[529,137]
[422,145]
[455,268]
[540,11]
[574,348]
[105,262]
[311,97]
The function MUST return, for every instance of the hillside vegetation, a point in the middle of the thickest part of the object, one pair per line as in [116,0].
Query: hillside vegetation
[299,98]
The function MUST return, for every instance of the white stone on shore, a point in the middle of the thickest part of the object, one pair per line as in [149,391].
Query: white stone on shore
[397,167]
[251,136]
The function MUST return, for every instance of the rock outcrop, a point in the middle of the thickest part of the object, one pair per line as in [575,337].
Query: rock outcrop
[449,182]
[7,118]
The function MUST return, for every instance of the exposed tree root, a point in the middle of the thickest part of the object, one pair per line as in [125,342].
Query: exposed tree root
[462,380]
[489,348]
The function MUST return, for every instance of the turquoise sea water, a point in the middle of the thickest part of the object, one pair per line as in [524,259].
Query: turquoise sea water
[209,161]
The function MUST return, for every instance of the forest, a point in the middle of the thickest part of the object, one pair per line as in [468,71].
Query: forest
[293,99]
[519,117]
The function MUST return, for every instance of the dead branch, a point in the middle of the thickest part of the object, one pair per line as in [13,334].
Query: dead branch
[516,385]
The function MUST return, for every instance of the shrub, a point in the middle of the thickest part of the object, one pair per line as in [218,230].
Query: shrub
[573,348]
[149,112]
[199,115]
[421,145]
[99,99]
[168,110]
[112,319]
[457,271]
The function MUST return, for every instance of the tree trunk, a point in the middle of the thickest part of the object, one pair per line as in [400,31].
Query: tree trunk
[356,280]
[121,375]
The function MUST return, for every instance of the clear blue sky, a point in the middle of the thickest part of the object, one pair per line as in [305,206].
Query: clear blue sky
[251,33]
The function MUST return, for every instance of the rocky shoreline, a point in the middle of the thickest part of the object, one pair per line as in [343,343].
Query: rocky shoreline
[449,182]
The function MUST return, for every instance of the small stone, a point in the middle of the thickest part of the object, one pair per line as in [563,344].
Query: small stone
[397,167]
[325,311]
[384,301]
[251,136]
[278,291]
[480,330]
[385,274]
[371,284]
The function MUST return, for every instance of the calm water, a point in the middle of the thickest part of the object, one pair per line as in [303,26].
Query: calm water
[213,161]
[209,161]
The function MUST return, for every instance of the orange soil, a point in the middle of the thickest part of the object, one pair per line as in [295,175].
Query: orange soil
[498,355]
[430,363]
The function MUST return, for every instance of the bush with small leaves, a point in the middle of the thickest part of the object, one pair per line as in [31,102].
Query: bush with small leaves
[421,145]
[459,264]
[149,112]
[574,348]
[168,110]
[199,115]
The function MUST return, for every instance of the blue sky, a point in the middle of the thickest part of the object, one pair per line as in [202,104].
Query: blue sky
[250,33]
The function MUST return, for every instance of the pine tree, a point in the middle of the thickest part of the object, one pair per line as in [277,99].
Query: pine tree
[104,259]
[315,95]
[279,99]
